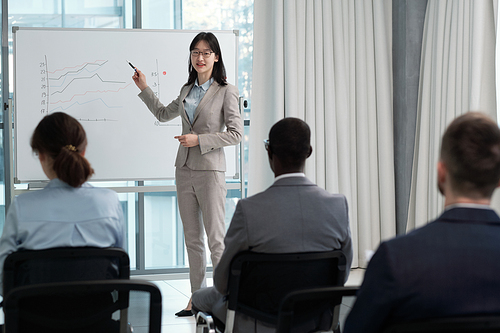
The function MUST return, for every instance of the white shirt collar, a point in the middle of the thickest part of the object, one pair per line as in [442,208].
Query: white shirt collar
[467,205]
[288,175]
[205,85]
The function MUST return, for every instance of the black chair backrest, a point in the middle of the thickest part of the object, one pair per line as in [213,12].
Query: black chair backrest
[62,264]
[82,319]
[259,281]
[460,324]
[291,302]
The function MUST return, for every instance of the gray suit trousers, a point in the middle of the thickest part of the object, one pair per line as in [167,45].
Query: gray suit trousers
[201,195]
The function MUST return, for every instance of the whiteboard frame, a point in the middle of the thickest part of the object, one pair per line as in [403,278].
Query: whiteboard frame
[238,162]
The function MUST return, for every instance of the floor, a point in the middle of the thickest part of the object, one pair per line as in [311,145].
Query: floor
[175,295]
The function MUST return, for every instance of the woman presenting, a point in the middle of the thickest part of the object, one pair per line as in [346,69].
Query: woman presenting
[206,104]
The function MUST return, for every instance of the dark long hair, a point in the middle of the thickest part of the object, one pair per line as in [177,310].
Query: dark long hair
[219,71]
[62,138]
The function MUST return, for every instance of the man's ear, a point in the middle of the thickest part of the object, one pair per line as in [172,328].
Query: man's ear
[310,151]
[269,152]
[442,172]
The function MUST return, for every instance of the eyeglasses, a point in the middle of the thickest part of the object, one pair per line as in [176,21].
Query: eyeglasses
[266,144]
[205,54]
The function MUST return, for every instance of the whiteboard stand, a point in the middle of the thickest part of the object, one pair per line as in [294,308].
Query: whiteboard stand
[9,184]
[6,110]
[241,159]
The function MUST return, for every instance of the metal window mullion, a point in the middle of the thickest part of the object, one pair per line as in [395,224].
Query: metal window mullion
[179,236]
[137,14]
[141,244]
[177,14]
[63,13]
[7,116]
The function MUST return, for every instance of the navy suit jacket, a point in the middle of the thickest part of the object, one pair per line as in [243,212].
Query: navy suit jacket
[449,267]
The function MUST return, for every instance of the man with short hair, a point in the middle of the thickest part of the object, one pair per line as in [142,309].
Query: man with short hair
[451,266]
[293,215]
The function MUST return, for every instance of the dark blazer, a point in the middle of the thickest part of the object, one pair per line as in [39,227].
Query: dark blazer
[448,267]
[217,122]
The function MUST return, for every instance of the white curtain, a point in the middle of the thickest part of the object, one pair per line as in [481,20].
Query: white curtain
[329,63]
[457,75]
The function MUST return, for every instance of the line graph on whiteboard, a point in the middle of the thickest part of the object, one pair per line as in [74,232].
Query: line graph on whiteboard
[90,91]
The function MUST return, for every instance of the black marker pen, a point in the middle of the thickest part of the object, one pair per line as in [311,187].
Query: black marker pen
[131,65]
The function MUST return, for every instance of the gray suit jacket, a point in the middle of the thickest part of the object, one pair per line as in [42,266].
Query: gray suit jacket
[218,109]
[293,215]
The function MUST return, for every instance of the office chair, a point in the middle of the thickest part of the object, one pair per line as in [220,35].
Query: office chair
[20,317]
[333,295]
[258,282]
[65,264]
[459,324]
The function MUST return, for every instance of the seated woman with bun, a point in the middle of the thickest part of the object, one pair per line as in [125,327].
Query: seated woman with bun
[68,212]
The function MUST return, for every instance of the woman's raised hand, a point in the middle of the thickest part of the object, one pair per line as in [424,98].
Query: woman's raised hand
[140,79]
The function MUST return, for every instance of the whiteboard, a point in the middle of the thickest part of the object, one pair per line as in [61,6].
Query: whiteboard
[84,73]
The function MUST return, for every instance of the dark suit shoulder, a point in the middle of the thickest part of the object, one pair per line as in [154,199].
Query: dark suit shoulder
[437,269]
[449,233]
[455,222]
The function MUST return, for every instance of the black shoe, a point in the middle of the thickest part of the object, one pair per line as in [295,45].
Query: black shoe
[184,313]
